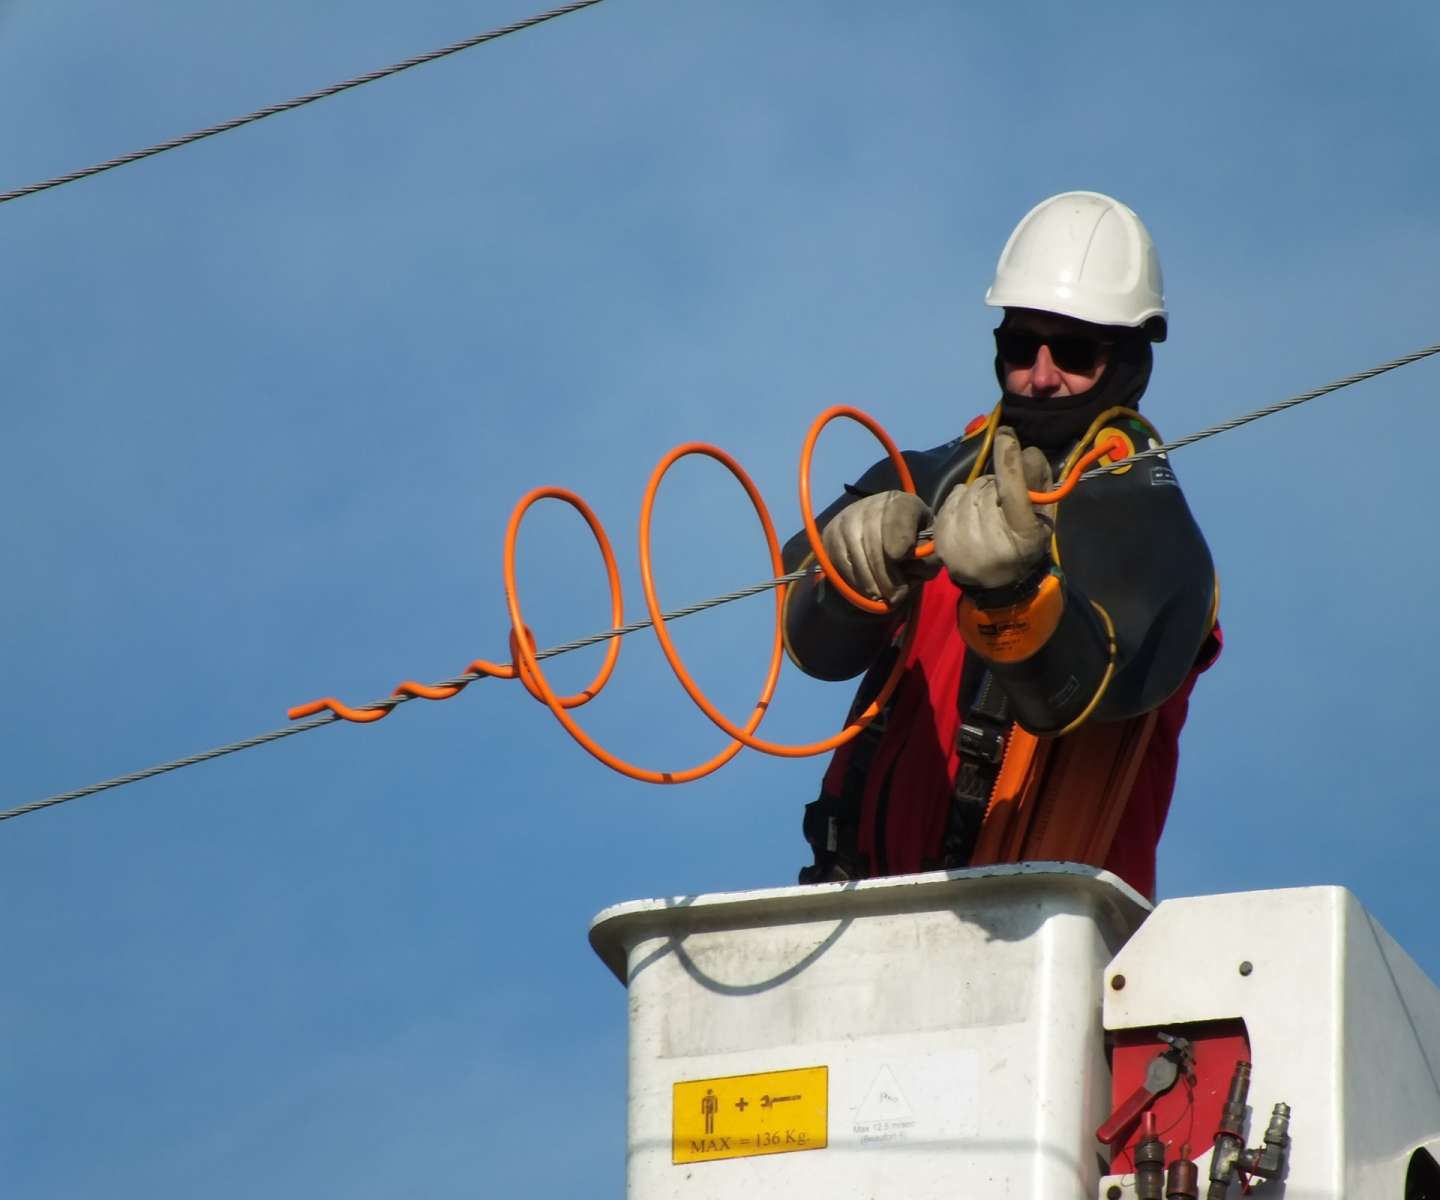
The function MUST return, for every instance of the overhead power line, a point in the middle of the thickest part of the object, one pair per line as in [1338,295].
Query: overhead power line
[634,626]
[1280,406]
[388,702]
[298,102]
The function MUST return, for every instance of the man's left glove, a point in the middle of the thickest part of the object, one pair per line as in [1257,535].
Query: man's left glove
[987,533]
[871,542]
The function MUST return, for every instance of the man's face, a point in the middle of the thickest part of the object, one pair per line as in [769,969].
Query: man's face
[1044,354]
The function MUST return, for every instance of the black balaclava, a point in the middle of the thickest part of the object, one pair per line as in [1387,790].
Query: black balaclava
[1057,422]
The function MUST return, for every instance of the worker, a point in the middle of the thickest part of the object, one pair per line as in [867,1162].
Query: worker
[1054,646]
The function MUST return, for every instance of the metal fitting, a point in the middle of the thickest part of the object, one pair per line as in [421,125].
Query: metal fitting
[1182,1180]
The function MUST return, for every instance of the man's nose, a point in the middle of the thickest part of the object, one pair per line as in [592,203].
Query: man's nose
[1044,376]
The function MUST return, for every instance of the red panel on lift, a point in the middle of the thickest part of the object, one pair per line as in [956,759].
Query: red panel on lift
[1184,1116]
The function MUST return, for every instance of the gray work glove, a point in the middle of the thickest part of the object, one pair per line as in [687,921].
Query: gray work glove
[988,534]
[871,541]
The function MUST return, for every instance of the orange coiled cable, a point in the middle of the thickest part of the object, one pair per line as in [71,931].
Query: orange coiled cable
[526,666]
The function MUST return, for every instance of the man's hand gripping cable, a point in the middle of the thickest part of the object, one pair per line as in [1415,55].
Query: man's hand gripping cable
[525,664]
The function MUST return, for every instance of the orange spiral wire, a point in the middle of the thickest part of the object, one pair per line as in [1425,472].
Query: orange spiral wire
[807,512]
[525,663]
[745,735]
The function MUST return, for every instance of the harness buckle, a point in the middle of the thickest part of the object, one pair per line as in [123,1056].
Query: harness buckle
[981,742]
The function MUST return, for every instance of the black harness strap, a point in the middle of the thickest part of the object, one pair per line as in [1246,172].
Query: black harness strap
[984,726]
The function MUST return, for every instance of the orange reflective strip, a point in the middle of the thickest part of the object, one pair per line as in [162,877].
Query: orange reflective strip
[1008,814]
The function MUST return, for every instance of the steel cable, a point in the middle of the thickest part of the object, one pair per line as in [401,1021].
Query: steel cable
[390,702]
[393,701]
[150,772]
[1270,410]
[271,110]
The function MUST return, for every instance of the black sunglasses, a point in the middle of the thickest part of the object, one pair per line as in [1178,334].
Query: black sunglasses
[1071,351]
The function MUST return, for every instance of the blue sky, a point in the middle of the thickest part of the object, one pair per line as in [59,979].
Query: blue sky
[267,402]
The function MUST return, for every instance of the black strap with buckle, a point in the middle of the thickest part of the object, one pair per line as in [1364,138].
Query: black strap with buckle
[980,739]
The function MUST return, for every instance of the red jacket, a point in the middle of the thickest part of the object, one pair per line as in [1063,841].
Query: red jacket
[909,782]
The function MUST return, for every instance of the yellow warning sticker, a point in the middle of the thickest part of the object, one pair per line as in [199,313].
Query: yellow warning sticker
[737,1116]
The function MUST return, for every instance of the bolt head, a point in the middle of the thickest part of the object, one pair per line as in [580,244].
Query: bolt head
[1246,967]
[1117,982]
[1114,1192]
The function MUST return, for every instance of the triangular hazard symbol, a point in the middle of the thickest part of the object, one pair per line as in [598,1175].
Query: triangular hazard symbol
[884,1101]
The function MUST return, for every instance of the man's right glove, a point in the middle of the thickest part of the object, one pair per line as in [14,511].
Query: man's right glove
[871,543]
[988,533]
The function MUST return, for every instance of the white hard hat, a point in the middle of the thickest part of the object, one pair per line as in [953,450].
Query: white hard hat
[1086,256]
